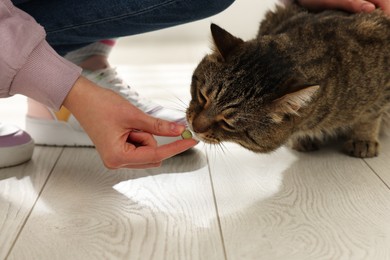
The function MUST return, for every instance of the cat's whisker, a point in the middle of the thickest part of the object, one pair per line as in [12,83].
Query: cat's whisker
[177,104]
[223,148]
[182,101]
[179,107]
[220,147]
[215,150]
[183,105]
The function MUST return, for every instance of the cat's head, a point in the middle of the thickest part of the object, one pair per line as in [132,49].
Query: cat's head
[245,92]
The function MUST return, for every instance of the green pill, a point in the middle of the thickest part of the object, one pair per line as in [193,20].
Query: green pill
[186,134]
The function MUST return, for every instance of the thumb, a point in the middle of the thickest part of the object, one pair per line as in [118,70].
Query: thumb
[350,6]
[158,126]
[361,6]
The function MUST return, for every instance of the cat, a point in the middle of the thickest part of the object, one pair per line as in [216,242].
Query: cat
[305,77]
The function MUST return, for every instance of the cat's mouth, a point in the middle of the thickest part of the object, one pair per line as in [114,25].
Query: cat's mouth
[207,139]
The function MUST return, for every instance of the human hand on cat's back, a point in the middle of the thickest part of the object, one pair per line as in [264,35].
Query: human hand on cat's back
[122,133]
[355,6]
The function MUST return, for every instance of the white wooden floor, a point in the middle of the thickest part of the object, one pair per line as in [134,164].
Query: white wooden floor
[209,203]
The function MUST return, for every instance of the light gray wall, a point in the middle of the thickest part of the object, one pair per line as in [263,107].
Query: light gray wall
[241,18]
[190,42]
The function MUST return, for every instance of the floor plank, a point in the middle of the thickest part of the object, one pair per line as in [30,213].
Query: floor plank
[287,205]
[88,212]
[19,188]
[381,164]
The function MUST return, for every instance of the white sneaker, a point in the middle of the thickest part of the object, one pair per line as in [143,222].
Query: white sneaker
[16,146]
[62,128]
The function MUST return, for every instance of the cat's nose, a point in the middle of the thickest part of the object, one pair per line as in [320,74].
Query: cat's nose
[201,123]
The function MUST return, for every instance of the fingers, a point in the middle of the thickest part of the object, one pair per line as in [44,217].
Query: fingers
[359,6]
[354,6]
[141,139]
[145,156]
[158,126]
[143,166]
[382,4]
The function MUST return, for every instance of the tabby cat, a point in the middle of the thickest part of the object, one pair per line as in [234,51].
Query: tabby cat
[305,77]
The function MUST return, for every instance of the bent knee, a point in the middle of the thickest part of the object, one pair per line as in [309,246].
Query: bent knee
[208,8]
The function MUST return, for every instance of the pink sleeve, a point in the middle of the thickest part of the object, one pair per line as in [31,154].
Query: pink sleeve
[28,65]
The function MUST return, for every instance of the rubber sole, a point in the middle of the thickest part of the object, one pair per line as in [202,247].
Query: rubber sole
[55,133]
[15,155]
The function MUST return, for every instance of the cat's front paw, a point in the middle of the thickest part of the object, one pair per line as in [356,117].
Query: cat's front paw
[362,149]
[305,144]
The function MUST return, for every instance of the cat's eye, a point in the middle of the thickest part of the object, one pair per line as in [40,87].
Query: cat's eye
[201,97]
[227,126]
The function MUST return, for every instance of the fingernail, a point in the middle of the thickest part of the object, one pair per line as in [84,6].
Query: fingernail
[367,7]
[177,128]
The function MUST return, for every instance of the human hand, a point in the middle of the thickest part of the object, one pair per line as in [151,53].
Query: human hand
[122,133]
[354,6]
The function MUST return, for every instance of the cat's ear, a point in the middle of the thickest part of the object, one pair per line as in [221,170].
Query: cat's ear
[224,41]
[290,103]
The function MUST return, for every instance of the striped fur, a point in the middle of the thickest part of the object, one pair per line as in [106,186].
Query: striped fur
[260,93]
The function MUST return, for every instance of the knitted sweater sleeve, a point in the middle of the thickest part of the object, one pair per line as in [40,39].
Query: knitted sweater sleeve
[28,65]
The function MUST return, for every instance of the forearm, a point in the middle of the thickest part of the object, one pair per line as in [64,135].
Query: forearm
[347,5]
[28,65]
[45,77]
